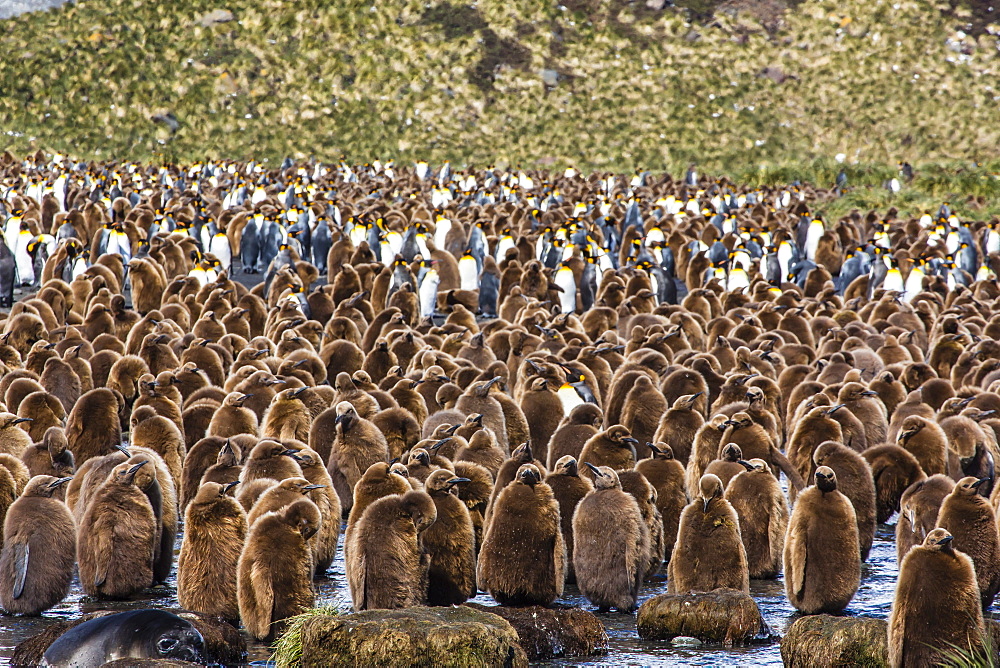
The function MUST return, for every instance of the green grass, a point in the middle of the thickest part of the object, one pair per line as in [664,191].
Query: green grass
[288,646]
[760,91]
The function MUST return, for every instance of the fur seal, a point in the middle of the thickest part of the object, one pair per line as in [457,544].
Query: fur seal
[136,634]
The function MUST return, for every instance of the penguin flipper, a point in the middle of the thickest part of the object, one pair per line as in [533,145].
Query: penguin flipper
[263,612]
[797,552]
[21,555]
[794,477]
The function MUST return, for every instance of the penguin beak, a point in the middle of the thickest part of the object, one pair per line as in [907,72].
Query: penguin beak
[455,481]
[912,518]
[747,465]
[653,448]
[593,469]
[61,481]
[478,419]
[869,393]
[705,503]
[228,486]
[452,429]
[979,482]
[440,443]
[312,487]
[294,454]
[296,393]
[834,409]
[22,419]
[946,540]
[122,449]
[630,440]
[135,469]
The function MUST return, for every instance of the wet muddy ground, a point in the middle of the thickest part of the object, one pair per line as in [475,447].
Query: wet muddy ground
[874,599]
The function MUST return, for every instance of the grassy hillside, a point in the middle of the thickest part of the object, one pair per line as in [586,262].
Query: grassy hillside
[603,84]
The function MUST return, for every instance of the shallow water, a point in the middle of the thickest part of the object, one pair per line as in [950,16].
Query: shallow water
[873,599]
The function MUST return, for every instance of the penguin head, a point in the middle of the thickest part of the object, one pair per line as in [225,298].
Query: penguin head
[44,486]
[529,474]
[604,477]
[710,487]
[567,466]
[826,479]
[939,539]
[969,486]
[621,437]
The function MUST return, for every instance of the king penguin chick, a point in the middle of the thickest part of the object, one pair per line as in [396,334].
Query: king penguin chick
[273,578]
[450,542]
[39,549]
[357,445]
[611,544]
[386,568]
[969,517]
[918,512]
[569,488]
[666,475]
[822,555]
[483,450]
[936,607]
[116,537]
[709,552]
[215,528]
[523,557]
[231,418]
[574,430]
[855,481]
[613,447]
[762,509]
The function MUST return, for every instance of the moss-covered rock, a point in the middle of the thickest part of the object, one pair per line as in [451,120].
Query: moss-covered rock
[824,641]
[559,631]
[725,616]
[223,642]
[444,637]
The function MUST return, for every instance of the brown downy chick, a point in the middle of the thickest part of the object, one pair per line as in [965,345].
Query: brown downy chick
[273,580]
[450,543]
[972,522]
[357,445]
[918,512]
[386,568]
[614,447]
[569,488]
[936,589]
[709,552]
[117,538]
[523,558]
[215,528]
[822,552]
[762,509]
[39,549]
[612,545]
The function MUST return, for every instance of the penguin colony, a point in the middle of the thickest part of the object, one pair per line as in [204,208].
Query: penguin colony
[503,381]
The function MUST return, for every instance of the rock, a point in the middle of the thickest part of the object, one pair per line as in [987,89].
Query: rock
[223,642]
[215,17]
[550,77]
[821,641]
[559,631]
[657,5]
[724,616]
[460,636]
